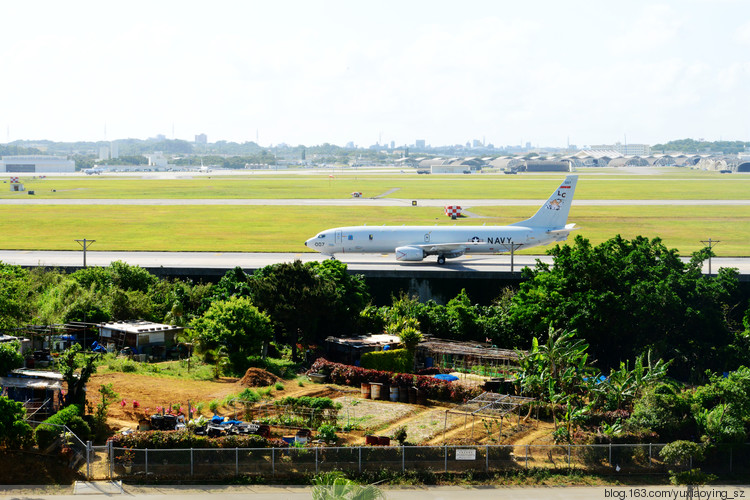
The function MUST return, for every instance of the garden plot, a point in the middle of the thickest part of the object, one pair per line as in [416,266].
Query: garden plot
[427,425]
[370,415]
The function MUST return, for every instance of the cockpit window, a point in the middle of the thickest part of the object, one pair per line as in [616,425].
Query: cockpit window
[321,236]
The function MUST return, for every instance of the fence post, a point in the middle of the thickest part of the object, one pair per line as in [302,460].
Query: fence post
[111,460]
[88,460]
[403,458]
[273,461]
[192,470]
[527,456]
[360,460]
[146,460]
[487,458]
[446,458]
[568,455]
[610,455]
[236,461]
[316,456]
[650,464]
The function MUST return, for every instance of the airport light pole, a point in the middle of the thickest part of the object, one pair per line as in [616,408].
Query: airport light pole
[512,247]
[85,244]
[710,244]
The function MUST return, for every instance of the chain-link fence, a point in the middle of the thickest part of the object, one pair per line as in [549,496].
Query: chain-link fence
[113,462]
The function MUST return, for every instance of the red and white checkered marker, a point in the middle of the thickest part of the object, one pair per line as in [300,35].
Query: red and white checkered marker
[452,210]
[14,180]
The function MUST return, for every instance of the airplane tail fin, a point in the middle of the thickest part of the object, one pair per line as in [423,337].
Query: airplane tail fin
[554,213]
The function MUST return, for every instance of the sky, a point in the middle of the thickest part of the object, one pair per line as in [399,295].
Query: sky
[505,72]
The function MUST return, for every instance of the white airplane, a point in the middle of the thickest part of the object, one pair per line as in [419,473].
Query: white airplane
[92,171]
[414,243]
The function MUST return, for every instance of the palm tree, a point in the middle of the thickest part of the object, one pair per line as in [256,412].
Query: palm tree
[335,485]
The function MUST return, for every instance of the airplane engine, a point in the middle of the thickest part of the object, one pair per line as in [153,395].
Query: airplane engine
[410,254]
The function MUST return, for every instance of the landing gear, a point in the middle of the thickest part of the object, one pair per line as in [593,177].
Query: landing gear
[441,260]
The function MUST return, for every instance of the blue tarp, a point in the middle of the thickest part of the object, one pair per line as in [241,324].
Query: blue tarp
[445,376]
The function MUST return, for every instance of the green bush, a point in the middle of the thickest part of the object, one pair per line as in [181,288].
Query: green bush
[10,357]
[181,440]
[15,433]
[249,396]
[327,433]
[396,360]
[80,428]
[680,452]
[51,428]
[691,477]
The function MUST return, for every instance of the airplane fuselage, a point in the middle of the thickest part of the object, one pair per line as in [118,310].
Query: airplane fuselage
[414,243]
[385,239]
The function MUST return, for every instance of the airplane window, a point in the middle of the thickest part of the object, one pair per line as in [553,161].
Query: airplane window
[321,236]
[351,237]
[370,236]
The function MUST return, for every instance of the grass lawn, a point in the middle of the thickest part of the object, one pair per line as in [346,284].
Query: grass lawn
[674,184]
[284,229]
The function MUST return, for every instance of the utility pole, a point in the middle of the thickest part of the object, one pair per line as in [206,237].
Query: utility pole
[85,244]
[710,244]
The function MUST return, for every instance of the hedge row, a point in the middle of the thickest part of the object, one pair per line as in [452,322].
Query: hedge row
[45,435]
[164,440]
[432,387]
[396,360]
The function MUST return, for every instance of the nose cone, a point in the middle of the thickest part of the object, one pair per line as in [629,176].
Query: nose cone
[309,243]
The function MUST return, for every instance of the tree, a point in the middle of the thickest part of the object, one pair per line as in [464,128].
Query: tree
[14,431]
[557,372]
[307,302]
[14,296]
[235,324]
[10,357]
[627,296]
[76,373]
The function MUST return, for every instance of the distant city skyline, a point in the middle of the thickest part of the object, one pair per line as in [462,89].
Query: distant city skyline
[505,73]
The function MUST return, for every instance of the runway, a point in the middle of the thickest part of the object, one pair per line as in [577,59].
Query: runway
[356,262]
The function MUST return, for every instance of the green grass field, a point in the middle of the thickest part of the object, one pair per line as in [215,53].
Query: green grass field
[285,228]
[674,184]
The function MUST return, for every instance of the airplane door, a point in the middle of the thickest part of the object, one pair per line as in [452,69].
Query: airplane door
[427,238]
[338,237]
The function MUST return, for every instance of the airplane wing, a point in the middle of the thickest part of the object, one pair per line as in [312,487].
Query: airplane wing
[439,248]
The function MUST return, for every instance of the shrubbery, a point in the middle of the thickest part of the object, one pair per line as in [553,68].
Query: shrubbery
[10,357]
[51,428]
[432,387]
[396,360]
[160,440]
[14,431]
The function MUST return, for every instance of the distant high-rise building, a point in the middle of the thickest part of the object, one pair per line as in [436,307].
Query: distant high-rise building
[393,144]
[114,150]
[104,153]
[419,144]
[350,145]
[476,143]
[201,139]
